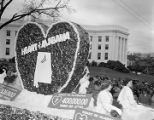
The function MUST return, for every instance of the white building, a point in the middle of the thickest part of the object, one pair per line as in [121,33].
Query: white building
[108,42]
[7,39]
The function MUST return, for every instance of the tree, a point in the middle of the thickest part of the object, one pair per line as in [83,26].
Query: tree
[34,8]
[132,58]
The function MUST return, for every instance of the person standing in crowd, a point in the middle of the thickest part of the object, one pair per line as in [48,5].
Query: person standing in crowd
[152,100]
[105,99]
[95,90]
[145,98]
[132,110]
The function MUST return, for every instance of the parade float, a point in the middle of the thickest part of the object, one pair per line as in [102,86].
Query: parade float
[50,62]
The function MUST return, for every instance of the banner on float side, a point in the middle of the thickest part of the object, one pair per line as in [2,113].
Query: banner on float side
[70,101]
[84,114]
[8,93]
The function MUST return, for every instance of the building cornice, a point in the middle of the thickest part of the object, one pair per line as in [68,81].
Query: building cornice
[106,28]
[107,31]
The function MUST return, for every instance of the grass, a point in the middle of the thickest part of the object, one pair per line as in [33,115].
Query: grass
[112,74]
[102,71]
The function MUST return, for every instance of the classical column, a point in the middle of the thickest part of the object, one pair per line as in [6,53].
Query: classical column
[126,51]
[117,48]
[120,49]
[123,50]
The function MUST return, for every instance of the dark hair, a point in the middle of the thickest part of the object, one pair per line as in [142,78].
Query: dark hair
[98,83]
[126,81]
[91,79]
[105,84]
[2,70]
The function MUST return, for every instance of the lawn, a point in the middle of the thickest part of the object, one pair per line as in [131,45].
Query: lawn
[102,71]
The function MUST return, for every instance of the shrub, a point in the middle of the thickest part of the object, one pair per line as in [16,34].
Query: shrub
[118,66]
[94,64]
[102,64]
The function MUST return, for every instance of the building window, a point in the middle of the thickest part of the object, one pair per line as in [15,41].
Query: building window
[98,56]
[107,38]
[99,47]
[106,56]
[119,38]
[106,46]
[91,38]
[7,52]
[99,38]
[7,41]
[8,33]
[89,56]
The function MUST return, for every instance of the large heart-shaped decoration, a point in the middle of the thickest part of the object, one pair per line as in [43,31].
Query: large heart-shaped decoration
[60,53]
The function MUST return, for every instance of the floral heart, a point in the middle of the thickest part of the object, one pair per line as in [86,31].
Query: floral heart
[80,116]
[56,99]
[64,44]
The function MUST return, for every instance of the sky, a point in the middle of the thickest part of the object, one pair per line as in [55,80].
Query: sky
[135,15]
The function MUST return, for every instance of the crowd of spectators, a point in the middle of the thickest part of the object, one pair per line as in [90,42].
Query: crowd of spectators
[143,91]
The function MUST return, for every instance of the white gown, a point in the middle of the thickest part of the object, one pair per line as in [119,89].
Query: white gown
[132,110]
[104,103]
[84,83]
[2,76]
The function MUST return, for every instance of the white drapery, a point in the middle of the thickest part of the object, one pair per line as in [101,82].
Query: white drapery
[132,110]
[43,70]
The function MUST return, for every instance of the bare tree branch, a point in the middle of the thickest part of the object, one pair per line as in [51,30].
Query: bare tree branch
[3,7]
[15,17]
[33,9]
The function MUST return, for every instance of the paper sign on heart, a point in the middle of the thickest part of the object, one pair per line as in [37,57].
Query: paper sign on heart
[68,44]
[80,116]
[56,99]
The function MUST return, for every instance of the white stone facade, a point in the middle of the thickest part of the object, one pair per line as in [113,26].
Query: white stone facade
[108,42]
[7,39]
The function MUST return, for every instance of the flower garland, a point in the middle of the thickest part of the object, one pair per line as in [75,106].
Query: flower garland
[62,56]
[13,113]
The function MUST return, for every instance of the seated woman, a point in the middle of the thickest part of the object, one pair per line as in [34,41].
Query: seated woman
[105,99]
[132,110]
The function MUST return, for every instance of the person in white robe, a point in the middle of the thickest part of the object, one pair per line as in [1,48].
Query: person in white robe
[105,99]
[84,82]
[2,76]
[131,109]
